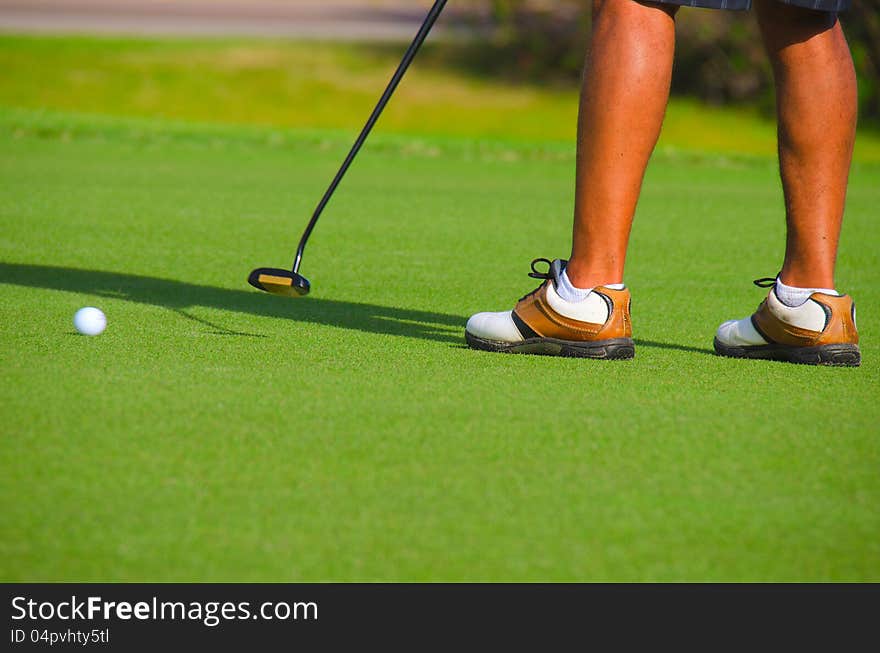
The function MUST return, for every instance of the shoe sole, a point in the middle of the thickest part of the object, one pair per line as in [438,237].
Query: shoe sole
[614,349]
[831,355]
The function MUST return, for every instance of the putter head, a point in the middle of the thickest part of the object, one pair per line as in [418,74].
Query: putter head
[279,282]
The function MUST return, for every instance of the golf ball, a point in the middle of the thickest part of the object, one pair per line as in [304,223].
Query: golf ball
[90,321]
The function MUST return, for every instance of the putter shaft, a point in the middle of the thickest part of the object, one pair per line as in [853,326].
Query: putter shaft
[408,57]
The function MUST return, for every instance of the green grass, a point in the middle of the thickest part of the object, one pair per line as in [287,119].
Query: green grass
[216,433]
[320,85]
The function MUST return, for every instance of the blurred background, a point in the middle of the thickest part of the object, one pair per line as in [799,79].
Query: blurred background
[493,68]
[719,53]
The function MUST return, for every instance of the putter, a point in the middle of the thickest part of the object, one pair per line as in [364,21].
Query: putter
[290,283]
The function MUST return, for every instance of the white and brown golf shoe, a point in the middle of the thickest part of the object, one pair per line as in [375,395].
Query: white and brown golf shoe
[821,331]
[544,323]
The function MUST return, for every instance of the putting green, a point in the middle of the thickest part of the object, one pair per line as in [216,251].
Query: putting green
[217,433]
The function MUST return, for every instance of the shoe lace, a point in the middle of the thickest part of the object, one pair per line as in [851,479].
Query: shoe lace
[764,282]
[537,274]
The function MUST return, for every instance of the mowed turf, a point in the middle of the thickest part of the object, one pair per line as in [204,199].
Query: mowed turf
[214,433]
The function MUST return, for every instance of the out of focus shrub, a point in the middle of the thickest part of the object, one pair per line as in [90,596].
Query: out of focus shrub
[719,55]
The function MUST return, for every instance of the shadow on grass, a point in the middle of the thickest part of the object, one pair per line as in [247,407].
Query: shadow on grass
[178,296]
[669,345]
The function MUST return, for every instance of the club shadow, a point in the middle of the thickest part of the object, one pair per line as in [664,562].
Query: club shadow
[180,296]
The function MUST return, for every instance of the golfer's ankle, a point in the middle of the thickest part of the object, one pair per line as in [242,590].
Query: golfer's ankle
[591,276]
[806,276]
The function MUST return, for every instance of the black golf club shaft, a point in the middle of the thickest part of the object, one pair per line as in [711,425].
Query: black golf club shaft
[430,19]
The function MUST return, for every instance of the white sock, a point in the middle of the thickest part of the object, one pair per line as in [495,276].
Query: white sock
[570,293]
[793,297]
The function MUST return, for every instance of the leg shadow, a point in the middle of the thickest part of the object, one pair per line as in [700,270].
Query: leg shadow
[179,296]
[668,345]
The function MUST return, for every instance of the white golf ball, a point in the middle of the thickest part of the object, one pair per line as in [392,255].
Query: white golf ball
[90,321]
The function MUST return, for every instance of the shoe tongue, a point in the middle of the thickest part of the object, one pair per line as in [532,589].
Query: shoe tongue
[556,268]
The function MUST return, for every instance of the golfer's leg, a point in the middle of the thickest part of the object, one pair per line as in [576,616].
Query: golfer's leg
[816,100]
[625,89]
[803,320]
[626,86]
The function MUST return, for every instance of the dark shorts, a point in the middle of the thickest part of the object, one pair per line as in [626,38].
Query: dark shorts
[742,5]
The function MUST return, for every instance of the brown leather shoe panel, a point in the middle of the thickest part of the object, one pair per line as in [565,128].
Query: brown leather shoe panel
[619,322]
[840,329]
[535,311]
[780,332]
